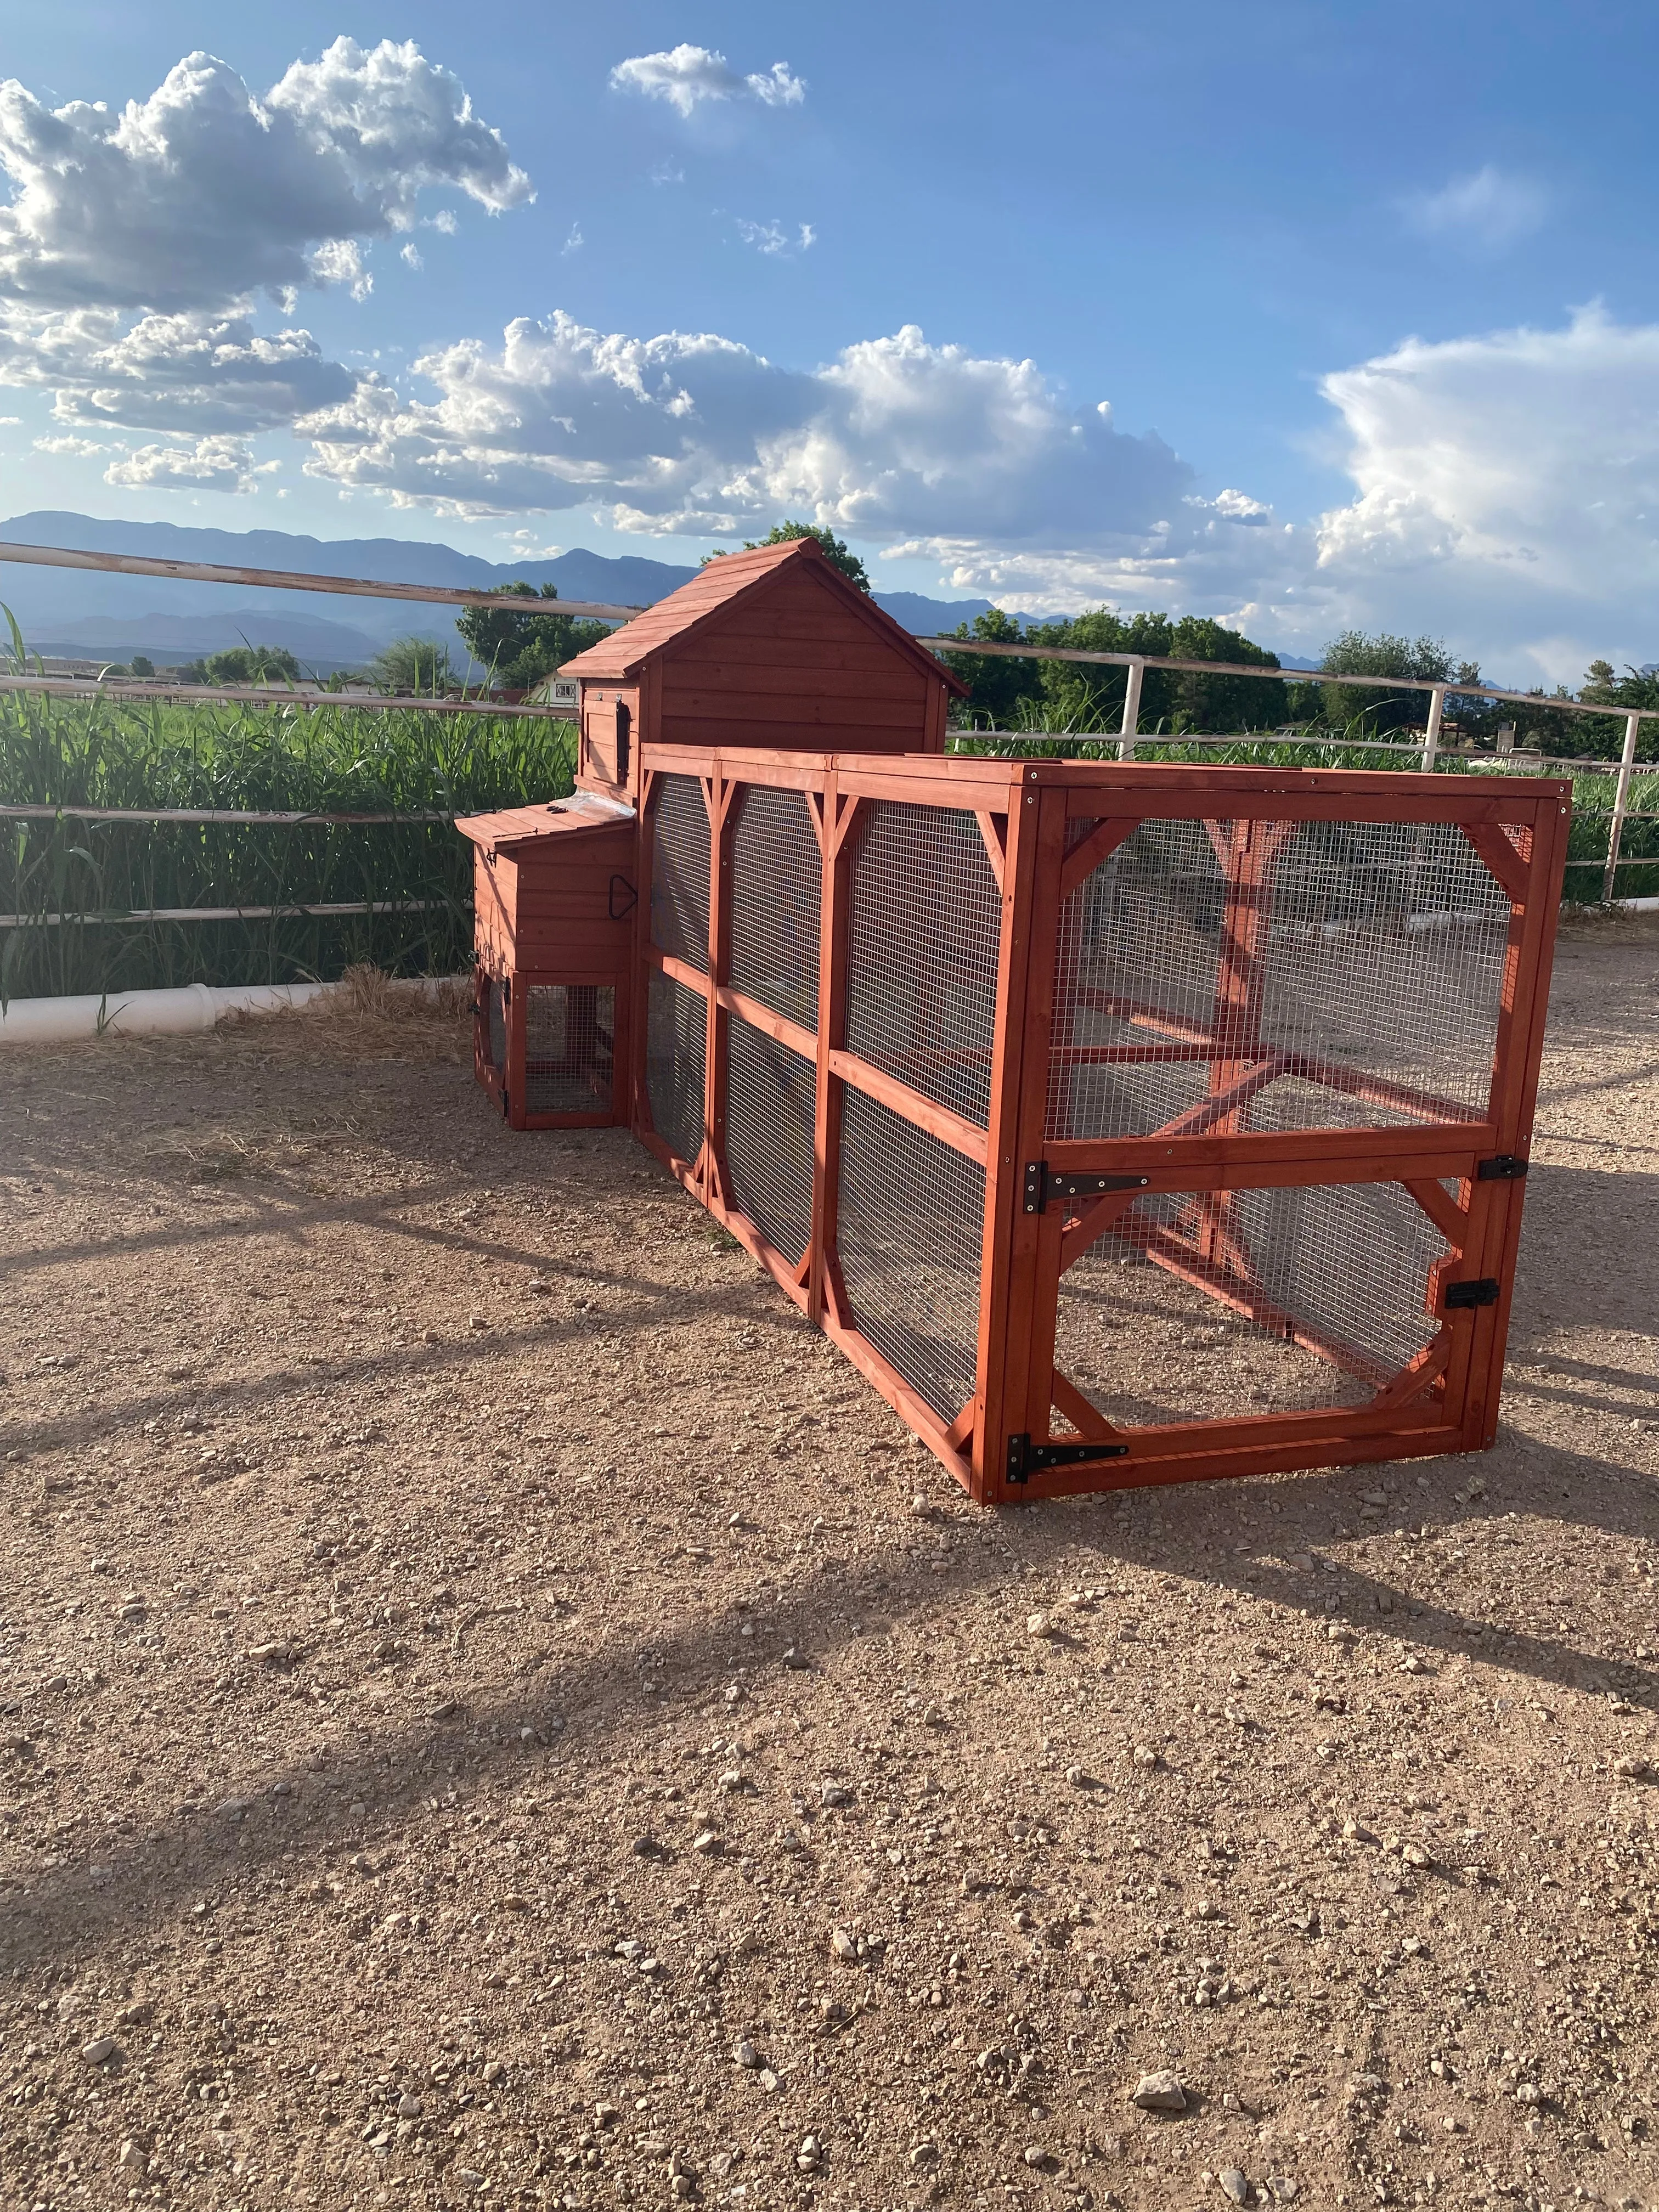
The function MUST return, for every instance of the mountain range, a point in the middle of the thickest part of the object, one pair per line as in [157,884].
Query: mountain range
[81,614]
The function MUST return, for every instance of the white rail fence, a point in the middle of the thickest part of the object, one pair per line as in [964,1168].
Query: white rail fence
[1428,749]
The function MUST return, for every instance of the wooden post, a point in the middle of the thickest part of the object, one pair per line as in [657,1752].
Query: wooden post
[1015,1035]
[1432,735]
[1620,806]
[840,830]
[1126,748]
[719,796]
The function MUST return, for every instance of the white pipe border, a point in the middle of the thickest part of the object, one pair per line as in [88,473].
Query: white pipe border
[146,1013]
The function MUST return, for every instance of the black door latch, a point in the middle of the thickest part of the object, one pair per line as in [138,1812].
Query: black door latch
[1482,1292]
[1505,1167]
[1041,1183]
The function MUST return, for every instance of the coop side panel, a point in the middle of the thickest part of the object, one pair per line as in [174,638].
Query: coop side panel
[794,666]
[495,893]
[573,903]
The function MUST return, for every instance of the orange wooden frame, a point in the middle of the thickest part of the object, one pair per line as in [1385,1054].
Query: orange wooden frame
[1443,1399]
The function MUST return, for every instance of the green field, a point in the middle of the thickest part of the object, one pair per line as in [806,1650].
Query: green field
[71,881]
[74,884]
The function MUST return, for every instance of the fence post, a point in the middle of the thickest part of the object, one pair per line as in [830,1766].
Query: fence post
[1432,735]
[1621,805]
[1126,748]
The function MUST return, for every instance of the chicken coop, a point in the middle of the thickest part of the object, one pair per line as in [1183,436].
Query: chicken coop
[1123,1123]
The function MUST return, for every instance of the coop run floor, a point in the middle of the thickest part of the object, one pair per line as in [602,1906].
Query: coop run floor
[468,1649]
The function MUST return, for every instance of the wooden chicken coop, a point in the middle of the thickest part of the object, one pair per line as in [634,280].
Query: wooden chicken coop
[1124,1123]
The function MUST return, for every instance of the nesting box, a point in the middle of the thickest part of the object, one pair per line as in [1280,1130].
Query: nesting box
[554,890]
[771,648]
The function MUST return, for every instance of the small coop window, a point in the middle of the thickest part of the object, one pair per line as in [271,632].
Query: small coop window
[496,1021]
[569,1040]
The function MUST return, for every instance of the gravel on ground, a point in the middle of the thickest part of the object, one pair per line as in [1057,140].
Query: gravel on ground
[493,1708]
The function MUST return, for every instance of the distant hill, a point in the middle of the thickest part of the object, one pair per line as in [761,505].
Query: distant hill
[81,614]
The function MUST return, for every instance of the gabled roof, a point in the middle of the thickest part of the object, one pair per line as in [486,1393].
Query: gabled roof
[713,589]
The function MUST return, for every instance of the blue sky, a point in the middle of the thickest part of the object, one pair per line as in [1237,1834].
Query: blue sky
[1301,315]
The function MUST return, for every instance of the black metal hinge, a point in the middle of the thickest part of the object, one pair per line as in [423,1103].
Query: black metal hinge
[1483,1291]
[1026,1459]
[1505,1167]
[1042,1184]
[630,898]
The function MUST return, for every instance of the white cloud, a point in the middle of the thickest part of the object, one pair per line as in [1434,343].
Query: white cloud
[685,76]
[197,372]
[340,261]
[79,448]
[208,464]
[409,255]
[135,242]
[574,243]
[205,192]
[1489,208]
[978,457]
[1508,492]
[773,238]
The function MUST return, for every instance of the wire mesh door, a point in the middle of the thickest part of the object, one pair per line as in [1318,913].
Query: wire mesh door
[1263,1179]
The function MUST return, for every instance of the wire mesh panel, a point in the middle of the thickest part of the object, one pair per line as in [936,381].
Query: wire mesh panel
[569,1034]
[675,1053]
[1384,956]
[1202,1306]
[771,1119]
[1135,983]
[924,935]
[775,879]
[909,1230]
[680,857]
[1268,975]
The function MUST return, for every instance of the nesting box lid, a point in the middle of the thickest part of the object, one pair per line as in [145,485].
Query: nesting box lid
[715,587]
[516,827]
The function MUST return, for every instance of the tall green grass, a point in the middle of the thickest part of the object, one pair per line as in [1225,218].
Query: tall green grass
[122,752]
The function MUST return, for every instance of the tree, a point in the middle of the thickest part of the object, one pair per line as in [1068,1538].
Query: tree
[252,664]
[1085,699]
[998,685]
[519,647]
[141,665]
[834,549]
[413,667]
[1425,660]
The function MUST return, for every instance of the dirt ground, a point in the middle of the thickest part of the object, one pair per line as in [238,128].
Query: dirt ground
[472,1661]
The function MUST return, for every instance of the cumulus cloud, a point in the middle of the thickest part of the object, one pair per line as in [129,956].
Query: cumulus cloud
[773,238]
[135,243]
[685,76]
[896,437]
[197,371]
[1489,208]
[1507,490]
[207,465]
[78,448]
[205,192]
